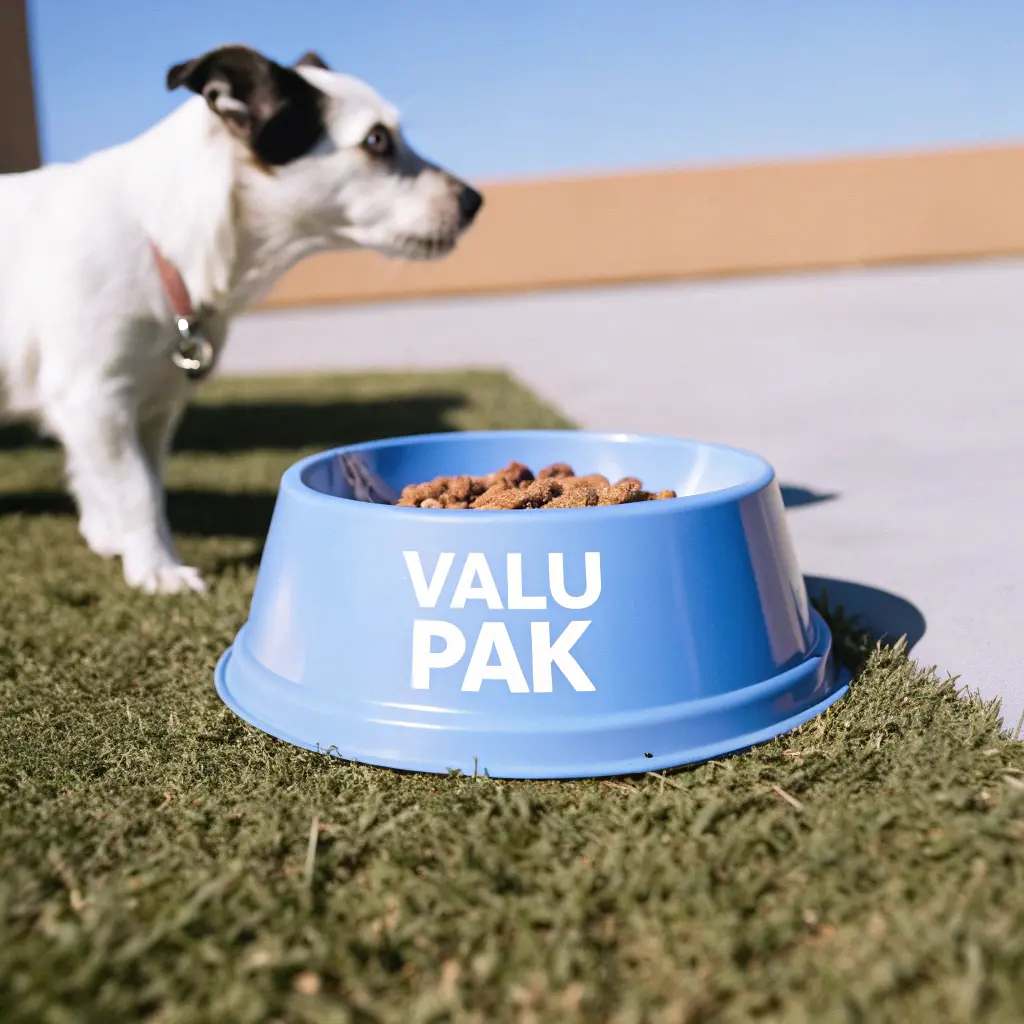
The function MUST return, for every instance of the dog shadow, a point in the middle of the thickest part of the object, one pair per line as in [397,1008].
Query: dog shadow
[14,436]
[235,428]
[293,427]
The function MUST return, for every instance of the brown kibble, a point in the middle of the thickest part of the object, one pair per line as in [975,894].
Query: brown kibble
[556,471]
[621,494]
[580,497]
[595,480]
[416,494]
[508,499]
[540,492]
[462,488]
[491,492]
[515,487]
[512,475]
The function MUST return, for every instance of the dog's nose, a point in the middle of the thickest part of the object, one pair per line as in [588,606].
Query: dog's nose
[470,202]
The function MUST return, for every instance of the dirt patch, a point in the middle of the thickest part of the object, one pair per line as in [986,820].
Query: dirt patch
[515,487]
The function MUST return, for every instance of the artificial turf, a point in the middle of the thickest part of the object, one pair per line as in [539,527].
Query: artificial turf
[161,860]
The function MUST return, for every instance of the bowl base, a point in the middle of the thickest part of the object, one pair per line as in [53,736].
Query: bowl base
[602,745]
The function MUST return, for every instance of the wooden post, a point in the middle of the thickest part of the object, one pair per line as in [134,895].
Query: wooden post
[19,139]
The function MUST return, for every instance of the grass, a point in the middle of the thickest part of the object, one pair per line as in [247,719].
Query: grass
[161,860]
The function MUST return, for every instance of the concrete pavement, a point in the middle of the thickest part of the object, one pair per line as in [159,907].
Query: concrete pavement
[888,400]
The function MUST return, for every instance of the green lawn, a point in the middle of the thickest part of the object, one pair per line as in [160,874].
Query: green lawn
[156,859]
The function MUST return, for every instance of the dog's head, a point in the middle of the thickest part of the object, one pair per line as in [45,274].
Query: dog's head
[337,150]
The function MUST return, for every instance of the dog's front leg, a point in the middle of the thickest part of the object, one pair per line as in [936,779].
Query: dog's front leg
[115,484]
[156,432]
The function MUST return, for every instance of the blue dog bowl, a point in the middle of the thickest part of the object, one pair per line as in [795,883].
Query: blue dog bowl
[530,644]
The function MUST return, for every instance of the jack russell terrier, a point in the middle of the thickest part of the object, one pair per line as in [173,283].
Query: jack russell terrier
[120,273]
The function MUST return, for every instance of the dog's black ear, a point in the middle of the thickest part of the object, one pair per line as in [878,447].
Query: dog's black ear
[273,109]
[311,59]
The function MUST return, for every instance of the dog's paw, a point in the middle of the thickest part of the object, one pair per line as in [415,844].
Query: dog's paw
[103,539]
[165,579]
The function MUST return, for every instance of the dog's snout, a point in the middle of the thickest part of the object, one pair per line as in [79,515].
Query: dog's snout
[470,202]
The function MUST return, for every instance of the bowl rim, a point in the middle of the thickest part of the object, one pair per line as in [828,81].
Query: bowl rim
[294,484]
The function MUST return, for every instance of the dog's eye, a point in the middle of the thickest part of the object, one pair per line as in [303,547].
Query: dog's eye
[379,141]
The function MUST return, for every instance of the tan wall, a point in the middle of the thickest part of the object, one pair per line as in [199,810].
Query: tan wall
[19,144]
[689,223]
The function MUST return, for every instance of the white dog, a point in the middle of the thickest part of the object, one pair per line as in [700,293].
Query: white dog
[119,273]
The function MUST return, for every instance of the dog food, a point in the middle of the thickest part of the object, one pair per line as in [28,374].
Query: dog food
[515,487]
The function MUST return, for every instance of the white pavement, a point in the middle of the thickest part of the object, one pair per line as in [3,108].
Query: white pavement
[889,401]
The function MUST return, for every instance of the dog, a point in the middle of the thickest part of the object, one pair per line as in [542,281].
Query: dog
[119,274]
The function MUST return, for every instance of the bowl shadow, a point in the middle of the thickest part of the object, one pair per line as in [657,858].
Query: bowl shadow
[799,497]
[886,616]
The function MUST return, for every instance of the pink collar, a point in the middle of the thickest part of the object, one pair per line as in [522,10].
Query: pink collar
[193,353]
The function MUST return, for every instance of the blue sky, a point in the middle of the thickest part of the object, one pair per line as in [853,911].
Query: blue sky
[505,90]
